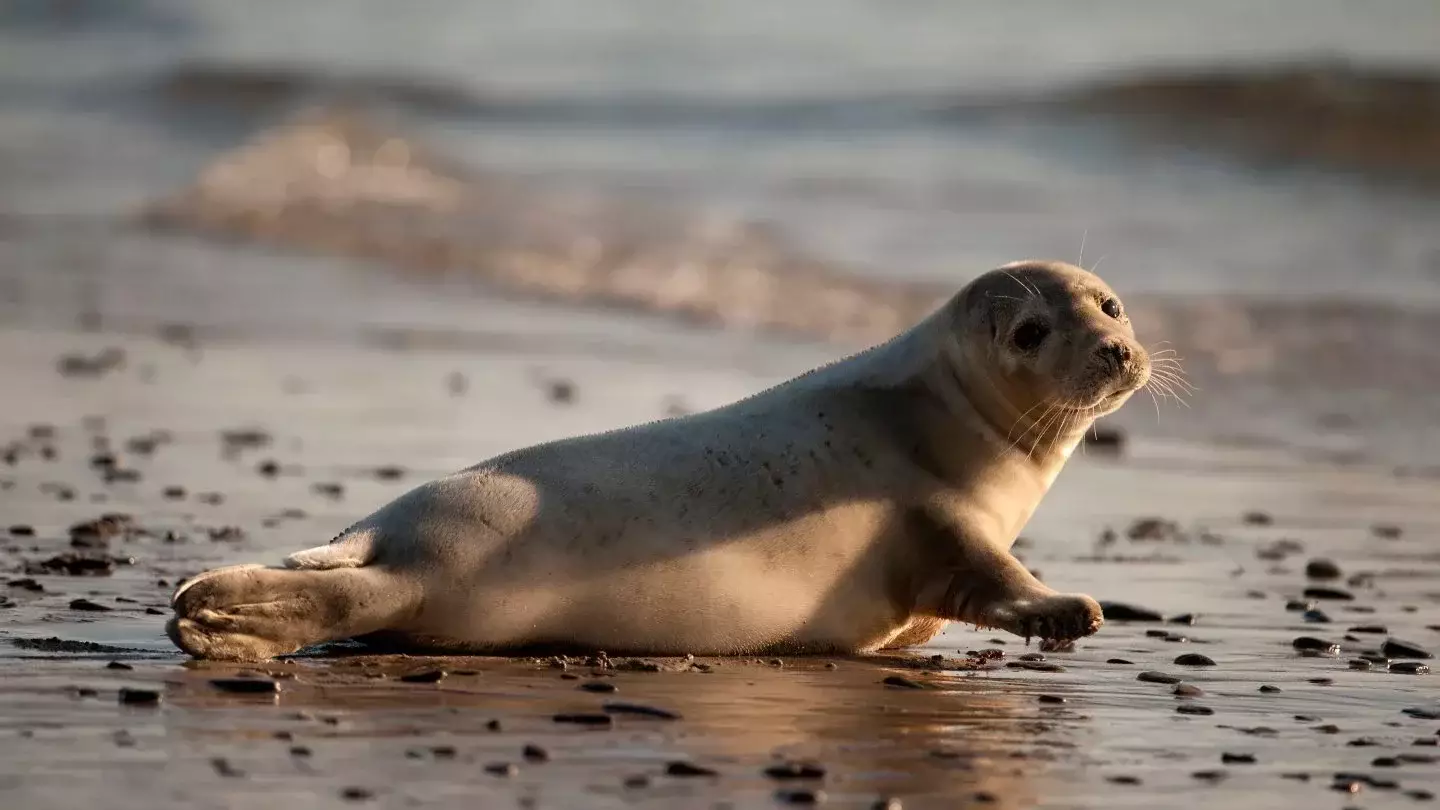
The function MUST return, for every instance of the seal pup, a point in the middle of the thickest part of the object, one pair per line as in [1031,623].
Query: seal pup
[857,507]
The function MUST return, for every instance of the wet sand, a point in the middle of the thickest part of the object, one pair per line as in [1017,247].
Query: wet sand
[329,414]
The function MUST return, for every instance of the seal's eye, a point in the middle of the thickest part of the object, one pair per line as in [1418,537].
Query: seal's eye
[1030,335]
[1111,307]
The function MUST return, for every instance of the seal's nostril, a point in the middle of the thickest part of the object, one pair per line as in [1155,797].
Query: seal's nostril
[1116,353]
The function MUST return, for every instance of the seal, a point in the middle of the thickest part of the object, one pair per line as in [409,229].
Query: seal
[857,507]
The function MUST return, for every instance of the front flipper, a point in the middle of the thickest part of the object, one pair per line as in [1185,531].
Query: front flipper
[988,587]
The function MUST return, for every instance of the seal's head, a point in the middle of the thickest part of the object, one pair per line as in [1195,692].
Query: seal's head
[1048,338]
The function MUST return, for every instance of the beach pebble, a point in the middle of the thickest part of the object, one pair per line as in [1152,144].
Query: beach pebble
[534,753]
[1377,629]
[585,719]
[1315,617]
[1194,660]
[901,682]
[87,605]
[597,686]
[1321,568]
[1312,644]
[246,686]
[427,676]
[795,770]
[1410,668]
[1237,759]
[1051,699]
[640,710]
[1150,676]
[1323,592]
[684,768]
[1423,713]
[1395,648]
[506,769]
[138,697]
[1191,708]
[1120,662]
[1188,690]
[803,796]
[1121,612]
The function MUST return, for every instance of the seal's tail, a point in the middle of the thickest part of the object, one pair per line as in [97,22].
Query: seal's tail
[255,612]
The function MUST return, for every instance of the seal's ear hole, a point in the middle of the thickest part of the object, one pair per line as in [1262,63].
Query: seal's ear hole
[1029,335]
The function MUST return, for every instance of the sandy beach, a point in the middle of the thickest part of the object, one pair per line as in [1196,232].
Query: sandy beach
[250,291]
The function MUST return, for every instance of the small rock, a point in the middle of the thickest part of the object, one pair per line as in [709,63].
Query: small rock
[1422,713]
[900,682]
[506,769]
[1051,699]
[1237,759]
[1209,776]
[246,686]
[1315,617]
[1359,664]
[585,719]
[1322,592]
[428,676]
[1194,660]
[683,768]
[1377,629]
[1410,668]
[1386,531]
[803,796]
[639,709]
[86,604]
[1258,519]
[534,753]
[1191,708]
[1395,648]
[1120,662]
[118,665]
[795,770]
[138,697]
[1312,644]
[1121,612]
[1123,779]
[636,782]
[356,794]
[597,686]
[1151,676]
[1320,568]
[1188,690]
[1184,618]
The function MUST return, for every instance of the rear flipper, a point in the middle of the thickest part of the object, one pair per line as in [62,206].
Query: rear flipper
[254,612]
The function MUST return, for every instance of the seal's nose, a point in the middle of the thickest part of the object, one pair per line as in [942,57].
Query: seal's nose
[1115,353]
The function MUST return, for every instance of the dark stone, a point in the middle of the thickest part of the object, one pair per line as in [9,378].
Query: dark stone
[1121,612]
[428,676]
[1322,569]
[1194,660]
[356,794]
[534,753]
[1184,618]
[597,686]
[1150,676]
[1322,592]
[795,770]
[900,682]
[803,796]
[1120,662]
[1311,644]
[1423,712]
[1188,690]
[639,710]
[138,697]
[86,604]
[1410,668]
[1395,648]
[1237,759]
[1377,629]
[118,665]
[1051,699]
[506,769]
[1315,617]
[683,768]
[246,686]
[585,719]
[1191,708]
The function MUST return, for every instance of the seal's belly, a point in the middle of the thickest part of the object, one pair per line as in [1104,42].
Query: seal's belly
[818,583]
